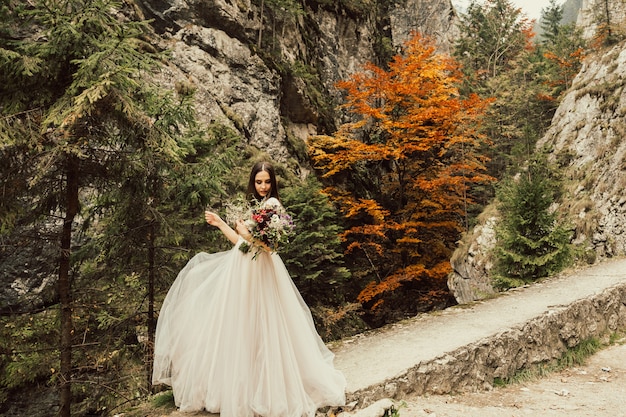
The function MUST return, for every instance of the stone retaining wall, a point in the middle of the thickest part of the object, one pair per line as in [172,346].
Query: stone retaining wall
[475,366]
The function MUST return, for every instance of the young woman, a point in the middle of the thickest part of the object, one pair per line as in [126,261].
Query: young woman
[235,337]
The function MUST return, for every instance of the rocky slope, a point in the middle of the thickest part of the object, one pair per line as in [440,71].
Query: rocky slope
[587,139]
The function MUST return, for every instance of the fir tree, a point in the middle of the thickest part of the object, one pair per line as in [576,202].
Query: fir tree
[531,242]
[563,48]
[551,18]
[315,260]
[314,255]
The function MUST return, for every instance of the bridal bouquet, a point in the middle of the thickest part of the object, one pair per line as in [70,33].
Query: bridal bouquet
[268,223]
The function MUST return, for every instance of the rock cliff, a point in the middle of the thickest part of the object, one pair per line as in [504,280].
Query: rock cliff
[587,138]
[285,86]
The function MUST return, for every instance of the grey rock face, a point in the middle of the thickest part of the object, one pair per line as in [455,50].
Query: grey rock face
[215,47]
[436,18]
[239,19]
[27,273]
[233,86]
[588,138]
[471,263]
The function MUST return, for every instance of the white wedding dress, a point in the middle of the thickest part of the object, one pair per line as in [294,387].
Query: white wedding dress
[235,337]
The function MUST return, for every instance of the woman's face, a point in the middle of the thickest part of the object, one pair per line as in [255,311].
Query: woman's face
[262,183]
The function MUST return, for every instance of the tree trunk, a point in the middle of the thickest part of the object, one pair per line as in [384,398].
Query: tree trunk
[151,319]
[261,27]
[65,286]
[609,33]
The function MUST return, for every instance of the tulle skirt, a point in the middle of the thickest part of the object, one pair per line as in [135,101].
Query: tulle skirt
[235,337]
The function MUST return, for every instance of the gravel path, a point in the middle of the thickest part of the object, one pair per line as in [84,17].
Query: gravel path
[371,358]
[596,389]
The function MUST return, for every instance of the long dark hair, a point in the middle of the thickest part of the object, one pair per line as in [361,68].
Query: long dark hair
[258,167]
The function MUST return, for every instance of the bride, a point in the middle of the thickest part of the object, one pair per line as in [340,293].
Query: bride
[234,335]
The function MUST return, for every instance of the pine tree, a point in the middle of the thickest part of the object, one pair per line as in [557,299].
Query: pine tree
[563,47]
[314,256]
[80,117]
[493,35]
[551,18]
[531,242]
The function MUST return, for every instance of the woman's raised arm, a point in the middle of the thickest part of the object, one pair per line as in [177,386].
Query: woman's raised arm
[215,220]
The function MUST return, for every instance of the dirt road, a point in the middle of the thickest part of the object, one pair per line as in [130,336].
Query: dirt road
[426,337]
[596,389]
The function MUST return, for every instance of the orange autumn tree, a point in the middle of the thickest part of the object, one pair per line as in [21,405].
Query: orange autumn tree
[402,173]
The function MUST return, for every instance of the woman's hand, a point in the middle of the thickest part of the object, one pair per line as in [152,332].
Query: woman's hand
[243,231]
[213,219]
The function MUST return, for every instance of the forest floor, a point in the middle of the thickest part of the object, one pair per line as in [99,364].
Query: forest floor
[597,388]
